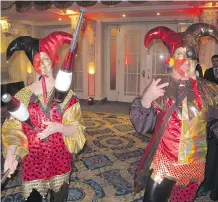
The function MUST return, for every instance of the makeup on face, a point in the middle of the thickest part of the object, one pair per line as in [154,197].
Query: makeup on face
[42,63]
[183,65]
[45,63]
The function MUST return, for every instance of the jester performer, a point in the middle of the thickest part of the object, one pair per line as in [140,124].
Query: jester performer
[176,109]
[46,165]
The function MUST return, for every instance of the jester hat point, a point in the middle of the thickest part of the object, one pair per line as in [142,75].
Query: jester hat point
[49,45]
[189,39]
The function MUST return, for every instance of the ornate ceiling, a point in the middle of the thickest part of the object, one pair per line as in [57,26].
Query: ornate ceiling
[45,13]
[24,6]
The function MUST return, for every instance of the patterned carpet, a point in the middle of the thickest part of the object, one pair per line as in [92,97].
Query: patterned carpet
[104,171]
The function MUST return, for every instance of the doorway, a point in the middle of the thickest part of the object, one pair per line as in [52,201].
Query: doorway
[129,66]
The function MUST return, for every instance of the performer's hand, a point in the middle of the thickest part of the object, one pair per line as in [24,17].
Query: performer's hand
[153,92]
[52,127]
[11,164]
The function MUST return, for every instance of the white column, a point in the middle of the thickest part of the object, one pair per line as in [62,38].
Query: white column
[99,83]
[88,55]
[209,46]
[85,57]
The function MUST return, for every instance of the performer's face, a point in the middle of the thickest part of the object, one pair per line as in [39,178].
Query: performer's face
[184,66]
[42,63]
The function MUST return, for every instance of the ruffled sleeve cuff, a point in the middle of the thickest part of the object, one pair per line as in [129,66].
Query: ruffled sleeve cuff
[12,135]
[73,115]
[143,119]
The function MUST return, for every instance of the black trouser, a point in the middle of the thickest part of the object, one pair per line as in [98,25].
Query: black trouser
[211,170]
[155,192]
[60,196]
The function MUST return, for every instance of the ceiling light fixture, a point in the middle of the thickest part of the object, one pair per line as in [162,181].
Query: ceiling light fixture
[70,12]
[124,15]
[4,25]
[158,13]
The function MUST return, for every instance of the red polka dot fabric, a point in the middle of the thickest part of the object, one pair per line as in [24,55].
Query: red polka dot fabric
[45,159]
[184,173]
[186,194]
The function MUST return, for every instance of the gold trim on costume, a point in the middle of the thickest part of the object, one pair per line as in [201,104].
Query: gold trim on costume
[24,95]
[67,98]
[41,98]
[42,186]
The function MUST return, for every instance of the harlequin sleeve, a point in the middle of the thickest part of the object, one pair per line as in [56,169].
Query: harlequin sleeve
[12,135]
[73,116]
[143,119]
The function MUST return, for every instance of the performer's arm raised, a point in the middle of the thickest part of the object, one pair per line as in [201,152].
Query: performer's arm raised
[143,114]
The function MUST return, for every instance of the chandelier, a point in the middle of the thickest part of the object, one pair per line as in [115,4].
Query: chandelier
[5,26]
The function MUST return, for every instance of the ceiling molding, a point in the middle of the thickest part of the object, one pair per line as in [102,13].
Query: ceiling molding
[150,19]
[111,14]
[42,24]
[110,20]
[139,8]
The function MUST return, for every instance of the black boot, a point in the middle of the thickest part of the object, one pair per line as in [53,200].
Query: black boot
[155,192]
[34,197]
[61,195]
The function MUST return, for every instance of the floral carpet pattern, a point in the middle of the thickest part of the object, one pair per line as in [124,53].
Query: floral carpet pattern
[104,170]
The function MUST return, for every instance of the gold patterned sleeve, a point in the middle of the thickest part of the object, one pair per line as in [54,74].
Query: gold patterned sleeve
[73,115]
[12,135]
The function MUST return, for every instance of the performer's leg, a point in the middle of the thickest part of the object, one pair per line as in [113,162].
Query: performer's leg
[210,169]
[210,165]
[34,197]
[184,194]
[61,195]
[155,192]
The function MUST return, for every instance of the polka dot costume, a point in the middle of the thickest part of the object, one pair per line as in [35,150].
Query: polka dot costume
[186,194]
[163,167]
[45,159]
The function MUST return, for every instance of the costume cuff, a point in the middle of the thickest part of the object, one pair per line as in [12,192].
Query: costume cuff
[137,103]
[76,143]
[12,135]
[73,116]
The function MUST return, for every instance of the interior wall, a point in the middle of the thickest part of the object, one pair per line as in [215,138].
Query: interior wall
[16,68]
[99,89]
[5,67]
[103,75]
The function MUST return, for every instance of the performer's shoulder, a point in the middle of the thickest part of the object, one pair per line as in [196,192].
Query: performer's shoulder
[211,86]
[24,95]
[209,69]
[72,95]
[70,99]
